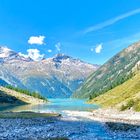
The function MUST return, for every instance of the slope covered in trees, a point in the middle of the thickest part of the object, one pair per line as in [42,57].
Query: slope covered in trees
[122,97]
[113,73]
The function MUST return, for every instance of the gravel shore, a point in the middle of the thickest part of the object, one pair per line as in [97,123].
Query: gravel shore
[71,126]
[113,115]
[108,115]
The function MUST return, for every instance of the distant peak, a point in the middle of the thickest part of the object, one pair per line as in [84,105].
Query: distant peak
[58,58]
[61,56]
[4,49]
[5,52]
[8,54]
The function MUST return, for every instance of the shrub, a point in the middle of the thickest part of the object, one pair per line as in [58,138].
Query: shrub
[128,105]
[123,107]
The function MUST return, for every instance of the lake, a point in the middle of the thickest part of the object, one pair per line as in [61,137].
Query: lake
[55,105]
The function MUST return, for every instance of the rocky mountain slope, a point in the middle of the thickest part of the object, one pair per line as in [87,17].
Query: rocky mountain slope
[7,77]
[122,97]
[113,73]
[55,77]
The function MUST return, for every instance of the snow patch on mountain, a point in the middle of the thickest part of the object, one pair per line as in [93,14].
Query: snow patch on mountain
[58,76]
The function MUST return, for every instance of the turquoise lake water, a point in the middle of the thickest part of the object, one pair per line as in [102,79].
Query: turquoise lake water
[55,105]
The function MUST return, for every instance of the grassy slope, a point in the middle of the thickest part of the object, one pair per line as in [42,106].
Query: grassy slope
[20,96]
[127,94]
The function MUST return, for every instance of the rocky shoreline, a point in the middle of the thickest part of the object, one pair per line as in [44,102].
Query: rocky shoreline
[74,126]
[43,129]
[113,115]
[109,115]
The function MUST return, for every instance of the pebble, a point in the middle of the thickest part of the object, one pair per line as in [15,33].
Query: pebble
[31,129]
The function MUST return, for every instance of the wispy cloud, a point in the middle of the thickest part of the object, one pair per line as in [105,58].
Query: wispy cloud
[124,42]
[57,46]
[110,21]
[38,40]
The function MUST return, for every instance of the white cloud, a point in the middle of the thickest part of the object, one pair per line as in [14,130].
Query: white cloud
[33,54]
[58,45]
[38,40]
[49,50]
[24,55]
[98,48]
[111,21]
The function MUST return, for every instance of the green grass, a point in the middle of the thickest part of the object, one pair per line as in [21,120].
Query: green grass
[27,92]
[137,106]
[26,115]
[122,97]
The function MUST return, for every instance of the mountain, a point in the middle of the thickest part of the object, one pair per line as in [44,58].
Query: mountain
[7,54]
[8,78]
[3,83]
[57,77]
[113,73]
[122,97]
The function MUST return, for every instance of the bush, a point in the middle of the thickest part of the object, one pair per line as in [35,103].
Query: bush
[128,105]
[123,107]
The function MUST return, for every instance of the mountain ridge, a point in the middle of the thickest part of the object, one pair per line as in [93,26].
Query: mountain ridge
[58,76]
[114,72]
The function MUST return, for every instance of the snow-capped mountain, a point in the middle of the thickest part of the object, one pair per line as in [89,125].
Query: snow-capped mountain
[8,54]
[58,76]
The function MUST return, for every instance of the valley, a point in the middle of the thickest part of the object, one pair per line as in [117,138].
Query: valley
[70,70]
[105,105]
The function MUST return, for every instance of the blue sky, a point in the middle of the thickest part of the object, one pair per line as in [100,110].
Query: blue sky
[92,30]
